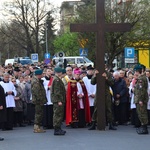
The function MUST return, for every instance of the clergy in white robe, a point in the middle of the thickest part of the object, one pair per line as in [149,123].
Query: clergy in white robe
[10,92]
[148,90]
[134,117]
[91,89]
[48,107]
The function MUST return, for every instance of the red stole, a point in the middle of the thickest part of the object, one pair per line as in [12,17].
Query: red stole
[50,81]
[72,103]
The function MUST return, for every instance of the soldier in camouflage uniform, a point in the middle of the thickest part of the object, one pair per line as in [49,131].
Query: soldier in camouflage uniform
[39,99]
[58,96]
[141,99]
[108,103]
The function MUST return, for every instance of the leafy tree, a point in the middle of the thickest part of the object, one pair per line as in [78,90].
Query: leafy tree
[132,12]
[136,13]
[70,43]
[67,43]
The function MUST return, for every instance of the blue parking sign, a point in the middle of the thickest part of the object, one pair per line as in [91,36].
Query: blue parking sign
[129,52]
[34,57]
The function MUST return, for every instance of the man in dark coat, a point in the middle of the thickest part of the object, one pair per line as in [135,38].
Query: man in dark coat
[2,108]
[120,99]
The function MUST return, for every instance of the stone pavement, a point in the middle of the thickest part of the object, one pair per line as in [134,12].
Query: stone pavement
[125,138]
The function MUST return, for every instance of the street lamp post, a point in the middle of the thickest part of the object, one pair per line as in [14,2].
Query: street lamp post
[46,37]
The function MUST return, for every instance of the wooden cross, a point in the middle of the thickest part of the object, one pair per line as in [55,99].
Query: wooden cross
[100,27]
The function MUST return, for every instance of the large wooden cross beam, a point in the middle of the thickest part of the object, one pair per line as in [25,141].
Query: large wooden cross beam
[100,27]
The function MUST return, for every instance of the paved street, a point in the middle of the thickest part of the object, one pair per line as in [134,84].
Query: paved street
[125,138]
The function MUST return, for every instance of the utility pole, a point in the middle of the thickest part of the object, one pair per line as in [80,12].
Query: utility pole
[46,37]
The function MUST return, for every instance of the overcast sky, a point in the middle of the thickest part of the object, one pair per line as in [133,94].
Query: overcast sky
[55,2]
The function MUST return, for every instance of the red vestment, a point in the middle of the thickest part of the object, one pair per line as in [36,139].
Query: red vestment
[72,103]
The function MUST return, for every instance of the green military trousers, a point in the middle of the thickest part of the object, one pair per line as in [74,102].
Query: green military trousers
[108,109]
[38,114]
[142,113]
[58,114]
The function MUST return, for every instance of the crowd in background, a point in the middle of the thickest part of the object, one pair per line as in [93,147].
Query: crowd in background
[22,112]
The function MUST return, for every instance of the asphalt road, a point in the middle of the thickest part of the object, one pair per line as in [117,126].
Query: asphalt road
[125,138]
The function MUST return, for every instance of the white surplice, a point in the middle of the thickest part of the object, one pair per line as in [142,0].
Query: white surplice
[91,89]
[132,104]
[10,102]
[80,92]
[148,90]
[48,91]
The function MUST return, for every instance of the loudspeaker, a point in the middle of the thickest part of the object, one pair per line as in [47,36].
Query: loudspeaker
[61,54]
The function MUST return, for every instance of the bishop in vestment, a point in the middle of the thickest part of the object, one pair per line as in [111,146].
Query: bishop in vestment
[77,104]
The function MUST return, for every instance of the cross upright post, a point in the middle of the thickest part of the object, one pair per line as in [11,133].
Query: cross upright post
[100,27]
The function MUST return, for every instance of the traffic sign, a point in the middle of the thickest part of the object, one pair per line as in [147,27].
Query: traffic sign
[47,61]
[129,60]
[47,55]
[83,51]
[34,57]
[129,52]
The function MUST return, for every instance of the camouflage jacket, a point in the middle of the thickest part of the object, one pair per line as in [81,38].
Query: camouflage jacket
[140,90]
[38,91]
[108,83]
[58,92]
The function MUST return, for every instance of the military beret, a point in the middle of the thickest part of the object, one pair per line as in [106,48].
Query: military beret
[138,67]
[58,69]
[63,71]
[38,72]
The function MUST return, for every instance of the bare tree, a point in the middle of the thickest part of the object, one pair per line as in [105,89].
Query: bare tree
[28,16]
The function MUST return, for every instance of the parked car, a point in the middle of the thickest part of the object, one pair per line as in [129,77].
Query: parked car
[20,60]
[70,60]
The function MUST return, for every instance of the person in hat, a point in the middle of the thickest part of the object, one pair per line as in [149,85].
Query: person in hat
[77,105]
[141,98]
[38,98]
[17,73]
[58,97]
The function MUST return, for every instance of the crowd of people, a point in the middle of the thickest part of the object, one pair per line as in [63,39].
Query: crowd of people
[47,95]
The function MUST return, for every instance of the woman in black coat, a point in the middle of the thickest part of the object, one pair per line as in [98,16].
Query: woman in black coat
[2,109]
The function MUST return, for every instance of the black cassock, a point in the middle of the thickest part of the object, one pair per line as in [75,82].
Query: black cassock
[2,103]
